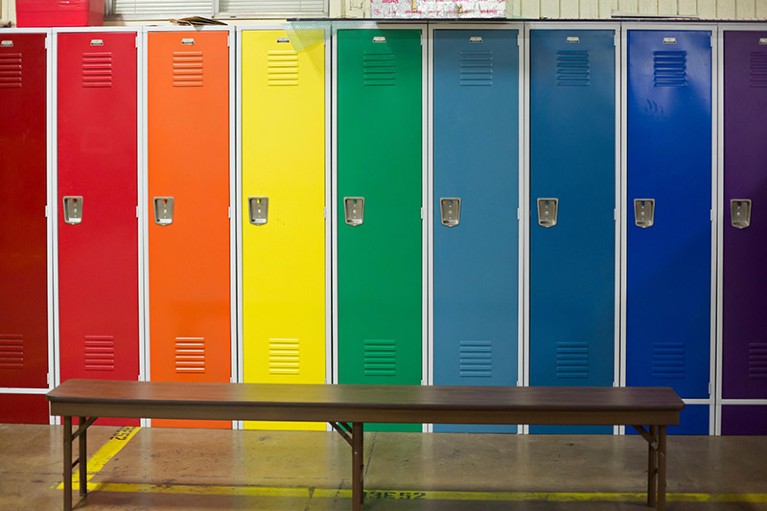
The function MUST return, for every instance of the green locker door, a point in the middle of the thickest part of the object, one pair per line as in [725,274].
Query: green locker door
[379,157]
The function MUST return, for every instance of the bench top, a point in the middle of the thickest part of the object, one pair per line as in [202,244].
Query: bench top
[367,403]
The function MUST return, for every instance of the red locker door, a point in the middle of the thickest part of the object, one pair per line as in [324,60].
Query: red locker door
[23,247]
[97,198]
[188,204]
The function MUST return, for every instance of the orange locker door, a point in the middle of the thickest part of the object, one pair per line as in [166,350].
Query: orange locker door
[188,152]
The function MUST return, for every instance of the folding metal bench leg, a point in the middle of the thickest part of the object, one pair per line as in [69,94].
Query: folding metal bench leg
[652,467]
[661,468]
[358,490]
[67,463]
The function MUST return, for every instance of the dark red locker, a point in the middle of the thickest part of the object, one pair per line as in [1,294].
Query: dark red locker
[23,232]
[97,162]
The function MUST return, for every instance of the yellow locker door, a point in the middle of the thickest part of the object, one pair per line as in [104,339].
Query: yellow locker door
[283,198]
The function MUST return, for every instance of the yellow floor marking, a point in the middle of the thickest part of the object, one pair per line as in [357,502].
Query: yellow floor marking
[107,451]
[260,491]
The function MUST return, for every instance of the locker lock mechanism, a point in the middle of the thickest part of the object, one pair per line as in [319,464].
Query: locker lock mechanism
[73,209]
[644,213]
[354,210]
[258,208]
[450,211]
[163,211]
[548,209]
[740,213]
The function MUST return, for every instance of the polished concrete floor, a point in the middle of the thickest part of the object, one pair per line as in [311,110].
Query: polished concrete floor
[180,470]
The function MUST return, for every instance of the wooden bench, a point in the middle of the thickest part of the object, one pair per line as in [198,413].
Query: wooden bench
[348,407]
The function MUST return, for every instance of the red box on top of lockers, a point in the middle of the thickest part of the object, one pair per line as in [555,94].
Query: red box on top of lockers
[59,13]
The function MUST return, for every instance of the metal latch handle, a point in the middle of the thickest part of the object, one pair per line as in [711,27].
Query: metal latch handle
[354,210]
[450,211]
[548,210]
[258,210]
[73,209]
[163,211]
[644,213]
[740,213]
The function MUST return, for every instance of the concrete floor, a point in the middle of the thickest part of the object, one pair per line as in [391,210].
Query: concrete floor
[180,470]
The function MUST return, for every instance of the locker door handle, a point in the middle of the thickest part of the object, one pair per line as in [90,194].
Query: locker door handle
[450,211]
[740,213]
[73,209]
[644,213]
[548,210]
[163,211]
[354,210]
[258,210]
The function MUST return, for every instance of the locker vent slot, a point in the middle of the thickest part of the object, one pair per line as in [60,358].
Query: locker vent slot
[284,356]
[10,70]
[670,68]
[282,68]
[190,355]
[379,69]
[476,359]
[11,351]
[757,360]
[668,360]
[477,68]
[187,69]
[759,69]
[97,69]
[572,360]
[99,353]
[573,68]
[380,357]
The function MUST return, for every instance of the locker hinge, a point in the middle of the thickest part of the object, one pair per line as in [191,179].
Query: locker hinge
[46,42]
[48,379]
[421,37]
[421,212]
[137,41]
[518,213]
[709,388]
[46,211]
[615,40]
[615,214]
[229,213]
[228,41]
[137,212]
[325,213]
[711,215]
[519,39]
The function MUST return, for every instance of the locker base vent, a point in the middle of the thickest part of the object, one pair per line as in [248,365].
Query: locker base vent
[11,351]
[668,361]
[573,360]
[190,355]
[380,358]
[99,353]
[757,360]
[284,357]
[476,359]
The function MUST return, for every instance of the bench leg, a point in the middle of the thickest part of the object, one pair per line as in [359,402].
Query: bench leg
[83,459]
[358,493]
[67,463]
[661,468]
[652,467]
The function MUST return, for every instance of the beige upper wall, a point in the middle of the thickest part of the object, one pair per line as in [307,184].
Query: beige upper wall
[571,9]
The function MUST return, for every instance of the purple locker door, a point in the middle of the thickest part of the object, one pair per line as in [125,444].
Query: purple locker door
[23,226]
[744,324]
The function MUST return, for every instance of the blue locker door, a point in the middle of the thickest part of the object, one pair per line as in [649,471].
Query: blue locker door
[668,293]
[572,170]
[476,162]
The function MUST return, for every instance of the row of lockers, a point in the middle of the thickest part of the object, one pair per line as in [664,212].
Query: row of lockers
[164,209]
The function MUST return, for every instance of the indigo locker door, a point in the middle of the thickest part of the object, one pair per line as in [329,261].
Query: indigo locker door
[97,199]
[23,242]
[283,200]
[668,257]
[476,190]
[379,158]
[744,326]
[188,205]
[572,207]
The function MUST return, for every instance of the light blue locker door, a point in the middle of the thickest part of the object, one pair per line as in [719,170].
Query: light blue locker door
[476,190]
[572,210]
[668,291]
